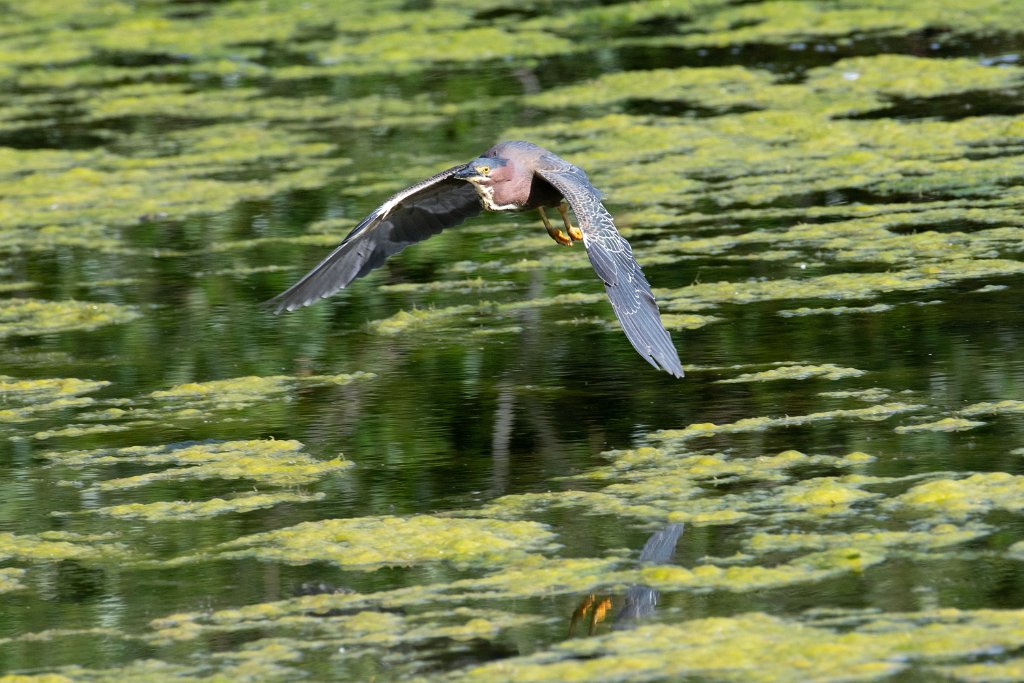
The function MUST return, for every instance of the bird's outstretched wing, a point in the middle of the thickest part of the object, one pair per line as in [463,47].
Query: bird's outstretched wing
[612,258]
[410,216]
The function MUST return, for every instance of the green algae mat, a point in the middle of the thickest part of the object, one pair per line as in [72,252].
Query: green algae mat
[458,469]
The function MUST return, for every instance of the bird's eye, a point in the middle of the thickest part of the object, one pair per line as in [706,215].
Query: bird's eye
[483,170]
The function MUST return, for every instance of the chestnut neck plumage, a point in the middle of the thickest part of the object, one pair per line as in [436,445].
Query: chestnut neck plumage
[508,190]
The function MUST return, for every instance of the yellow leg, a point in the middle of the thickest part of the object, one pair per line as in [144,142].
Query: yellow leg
[556,234]
[574,233]
[579,612]
[599,613]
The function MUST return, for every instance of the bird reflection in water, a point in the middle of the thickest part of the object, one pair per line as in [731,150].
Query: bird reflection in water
[640,600]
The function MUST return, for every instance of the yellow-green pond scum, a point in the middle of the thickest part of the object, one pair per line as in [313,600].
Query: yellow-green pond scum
[449,471]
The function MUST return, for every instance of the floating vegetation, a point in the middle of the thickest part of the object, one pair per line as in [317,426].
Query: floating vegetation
[812,567]
[477,284]
[718,87]
[978,493]
[529,575]
[79,430]
[191,402]
[241,392]
[666,484]
[56,546]
[428,319]
[757,647]
[185,510]
[872,395]
[698,296]
[412,50]
[937,537]
[31,317]
[832,171]
[784,22]
[687,321]
[758,424]
[1009,406]
[10,579]
[841,286]
[30,397]
[268,462]
[370,542]
[988,672]
[74,199]
[826,371]
[835,310]
[946,424]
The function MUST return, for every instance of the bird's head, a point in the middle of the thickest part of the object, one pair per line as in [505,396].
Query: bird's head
[485,171]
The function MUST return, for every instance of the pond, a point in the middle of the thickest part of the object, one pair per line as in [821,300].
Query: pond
[458,468]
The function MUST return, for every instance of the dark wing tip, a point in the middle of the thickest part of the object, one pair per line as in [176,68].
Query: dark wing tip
[672,367]
[281,303]
[659,352]
[637,311]
[409,216]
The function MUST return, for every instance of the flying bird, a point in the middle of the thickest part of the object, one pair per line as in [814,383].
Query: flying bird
[511,176]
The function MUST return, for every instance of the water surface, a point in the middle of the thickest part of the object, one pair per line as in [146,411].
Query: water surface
[440,471]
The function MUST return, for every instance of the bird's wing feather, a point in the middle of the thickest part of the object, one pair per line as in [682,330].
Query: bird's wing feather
[612,258]
[410,216]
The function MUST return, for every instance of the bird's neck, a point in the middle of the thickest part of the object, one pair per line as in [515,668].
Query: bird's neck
[486,193]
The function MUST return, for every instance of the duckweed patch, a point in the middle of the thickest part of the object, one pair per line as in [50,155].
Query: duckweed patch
[10,579]
[835,310]
[79,430]
[32,317]
[786,22]
[526,576]
[403,638]
[756,424]
[946,424]
[170,160]
[976,494]
[191,402]
[719,87]
[758,647]
[673,484]
[268,462]
[371,542]
[826,371]
[186,510]
[426,319]
[812,567]
[29,397]
[1010,406]
[241,392]
[53,546]
[872,395]
[477,284]
[987,672]
[75,199]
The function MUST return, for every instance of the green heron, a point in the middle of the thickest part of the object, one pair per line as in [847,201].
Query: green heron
[511,176]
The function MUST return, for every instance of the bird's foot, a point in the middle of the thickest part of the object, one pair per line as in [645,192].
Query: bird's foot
[574,232]
[560,237]
[556,234]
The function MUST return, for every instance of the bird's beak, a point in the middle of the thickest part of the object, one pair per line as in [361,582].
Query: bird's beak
[466,173]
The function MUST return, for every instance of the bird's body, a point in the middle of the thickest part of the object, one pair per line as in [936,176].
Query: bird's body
[514,185]
[511,176]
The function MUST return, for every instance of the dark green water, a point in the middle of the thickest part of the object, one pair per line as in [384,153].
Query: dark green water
[826,198]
